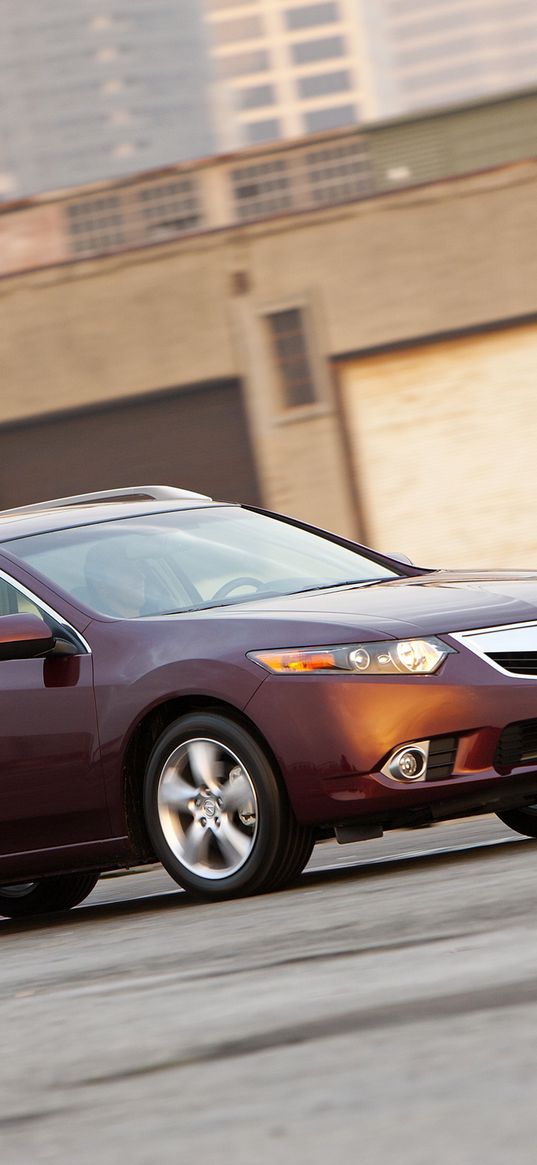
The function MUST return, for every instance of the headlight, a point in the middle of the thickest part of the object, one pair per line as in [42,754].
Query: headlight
[405,656]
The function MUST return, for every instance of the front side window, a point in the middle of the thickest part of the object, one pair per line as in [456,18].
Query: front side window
[187,560]
[14,602]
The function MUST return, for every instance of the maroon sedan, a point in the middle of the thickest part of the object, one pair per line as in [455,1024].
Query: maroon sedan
[217,687]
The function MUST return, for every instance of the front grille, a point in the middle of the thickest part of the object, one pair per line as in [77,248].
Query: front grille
[517,745]
[519,663]
[441,759]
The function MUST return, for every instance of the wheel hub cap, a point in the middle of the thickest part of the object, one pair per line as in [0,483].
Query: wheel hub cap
[207,808]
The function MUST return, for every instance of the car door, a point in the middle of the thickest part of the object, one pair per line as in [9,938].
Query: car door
[51,784]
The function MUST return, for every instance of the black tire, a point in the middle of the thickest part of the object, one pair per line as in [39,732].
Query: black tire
[300,849]
[52,894]
[523,821]
[181,810]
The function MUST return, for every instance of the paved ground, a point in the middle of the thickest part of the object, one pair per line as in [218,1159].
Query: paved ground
[385,1010]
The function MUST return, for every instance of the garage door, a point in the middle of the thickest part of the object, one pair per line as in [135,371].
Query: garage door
[443,439]
[195,438]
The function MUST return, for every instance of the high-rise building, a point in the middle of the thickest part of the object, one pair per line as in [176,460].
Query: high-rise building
[94,89]
[284,68]
[427,53]
[289,67]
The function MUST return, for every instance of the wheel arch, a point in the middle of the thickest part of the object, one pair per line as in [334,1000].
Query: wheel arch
[140,746]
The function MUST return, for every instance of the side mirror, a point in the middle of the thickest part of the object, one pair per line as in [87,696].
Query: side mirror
[401,558]
[24,637]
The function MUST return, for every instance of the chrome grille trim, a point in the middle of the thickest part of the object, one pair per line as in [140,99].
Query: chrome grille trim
[514,638]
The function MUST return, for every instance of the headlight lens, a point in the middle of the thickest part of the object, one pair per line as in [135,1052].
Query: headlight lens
[402,657]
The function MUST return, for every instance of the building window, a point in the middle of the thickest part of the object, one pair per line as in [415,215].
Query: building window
[151,214]
[218,5]
[261,190]
[263,131]
[241,64]
[320,84]
[255,96]
[324,48]
[169,209]
[96,225]
[312,15]
[316,120]
[339,173]
[231,31]
[292,357]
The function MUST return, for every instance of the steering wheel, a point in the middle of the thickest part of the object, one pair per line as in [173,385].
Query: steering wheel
[234,583]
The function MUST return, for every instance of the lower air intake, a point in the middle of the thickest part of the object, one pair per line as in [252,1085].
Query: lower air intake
[441,759]
[517,745]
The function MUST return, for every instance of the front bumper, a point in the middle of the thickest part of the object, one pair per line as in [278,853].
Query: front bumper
[331,735]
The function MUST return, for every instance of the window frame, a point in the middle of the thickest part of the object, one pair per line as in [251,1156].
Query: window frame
[79,639]
[318,363]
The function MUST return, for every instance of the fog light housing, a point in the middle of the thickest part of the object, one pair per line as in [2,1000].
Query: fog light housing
[408,763]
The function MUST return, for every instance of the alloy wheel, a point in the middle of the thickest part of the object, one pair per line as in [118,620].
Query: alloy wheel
[207,808]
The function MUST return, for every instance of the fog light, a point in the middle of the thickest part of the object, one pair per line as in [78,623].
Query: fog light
[408,763]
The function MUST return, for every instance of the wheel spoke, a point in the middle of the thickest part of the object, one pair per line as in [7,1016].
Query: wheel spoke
[176,794]
[234,845]
[205,767]
[195,843]
[237,796]
[208,808]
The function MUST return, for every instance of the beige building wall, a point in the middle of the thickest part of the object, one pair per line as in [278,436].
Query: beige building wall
[444,438]
[456,255]
[100,331]
[32,237]
[301,452]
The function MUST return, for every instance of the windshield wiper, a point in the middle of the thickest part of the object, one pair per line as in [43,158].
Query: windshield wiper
[351,582]
[327,586]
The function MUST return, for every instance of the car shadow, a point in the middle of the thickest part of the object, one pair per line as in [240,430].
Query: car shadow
[379,867]
[172,900]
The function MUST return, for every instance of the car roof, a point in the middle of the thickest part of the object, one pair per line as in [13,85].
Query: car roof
[85,510]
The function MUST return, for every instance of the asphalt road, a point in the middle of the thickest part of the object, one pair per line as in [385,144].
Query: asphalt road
[384,1010]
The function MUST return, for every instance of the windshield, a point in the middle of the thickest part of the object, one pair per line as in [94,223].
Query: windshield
[185,560]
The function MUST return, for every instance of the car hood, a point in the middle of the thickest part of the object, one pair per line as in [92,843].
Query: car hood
[436,602]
